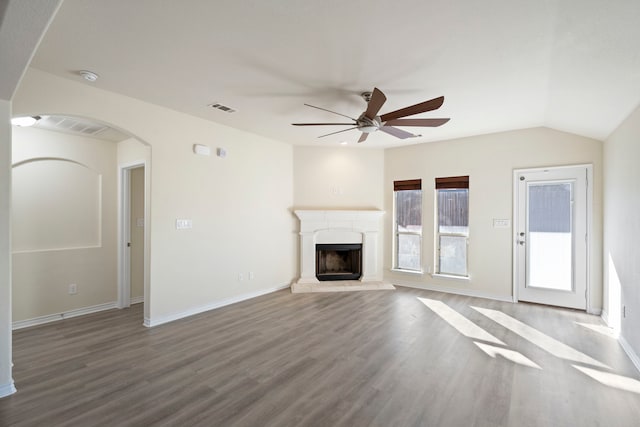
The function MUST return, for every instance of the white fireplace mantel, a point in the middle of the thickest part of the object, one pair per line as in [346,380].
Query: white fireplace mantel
[339,226]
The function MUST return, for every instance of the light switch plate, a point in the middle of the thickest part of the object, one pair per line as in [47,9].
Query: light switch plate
[501,223]
[183,224]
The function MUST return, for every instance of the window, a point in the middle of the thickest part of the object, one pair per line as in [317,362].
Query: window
[408,224]
[452,225]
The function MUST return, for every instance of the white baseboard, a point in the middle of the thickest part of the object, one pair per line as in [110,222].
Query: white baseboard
[136,300]
[148,322]
[7,389]
[595,311]
[41,320]
[630,352]
[456,291]
[605,317]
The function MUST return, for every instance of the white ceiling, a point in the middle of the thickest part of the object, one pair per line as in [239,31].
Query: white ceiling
[572,65]
[22,24]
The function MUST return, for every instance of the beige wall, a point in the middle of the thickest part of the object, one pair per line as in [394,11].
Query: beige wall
[489,160]
[338,178]
[240,205]
[64,209]
[6,382]
[622,229]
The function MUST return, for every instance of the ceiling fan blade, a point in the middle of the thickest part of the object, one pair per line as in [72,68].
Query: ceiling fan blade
[322,124]
[432,104]
[363,137]
[398,133]
[417,122]
[375,104]
[329,111]
[340,131]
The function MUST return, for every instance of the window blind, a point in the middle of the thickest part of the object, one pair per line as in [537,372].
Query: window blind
[409,184]
[452,182]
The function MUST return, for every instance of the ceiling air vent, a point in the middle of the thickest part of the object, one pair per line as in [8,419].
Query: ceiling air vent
[222,107]
[71,125]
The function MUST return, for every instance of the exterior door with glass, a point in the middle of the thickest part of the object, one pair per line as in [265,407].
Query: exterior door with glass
[551,236]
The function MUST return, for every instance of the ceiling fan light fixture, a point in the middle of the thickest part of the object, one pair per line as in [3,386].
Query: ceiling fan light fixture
[368,129]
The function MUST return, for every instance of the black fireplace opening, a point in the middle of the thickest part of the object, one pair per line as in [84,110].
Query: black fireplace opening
[338,261]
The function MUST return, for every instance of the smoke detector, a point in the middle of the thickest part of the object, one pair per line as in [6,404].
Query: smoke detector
[89,76]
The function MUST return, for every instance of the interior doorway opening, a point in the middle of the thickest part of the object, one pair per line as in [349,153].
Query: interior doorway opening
[133,218]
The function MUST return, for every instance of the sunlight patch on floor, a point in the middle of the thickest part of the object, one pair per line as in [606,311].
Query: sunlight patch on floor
[512,355]
[612,380]
[601,329]
[538,338]
[459,322]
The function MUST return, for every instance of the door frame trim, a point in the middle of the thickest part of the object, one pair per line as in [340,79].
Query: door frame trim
[514,241]
[124,231]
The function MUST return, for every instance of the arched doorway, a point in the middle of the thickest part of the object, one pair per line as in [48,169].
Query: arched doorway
[68,249]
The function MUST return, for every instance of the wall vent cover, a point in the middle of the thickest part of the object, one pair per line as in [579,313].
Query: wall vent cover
[71,125]
[222,107]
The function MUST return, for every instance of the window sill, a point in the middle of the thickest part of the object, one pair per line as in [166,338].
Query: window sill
[450,277]
[414,272]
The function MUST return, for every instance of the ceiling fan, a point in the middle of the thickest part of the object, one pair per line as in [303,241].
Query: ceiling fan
[369,121]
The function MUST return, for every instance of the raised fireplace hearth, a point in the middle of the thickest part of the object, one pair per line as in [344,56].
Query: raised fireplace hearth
[353,253]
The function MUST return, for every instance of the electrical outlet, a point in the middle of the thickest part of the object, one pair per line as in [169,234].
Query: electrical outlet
[240,277]
[73,289]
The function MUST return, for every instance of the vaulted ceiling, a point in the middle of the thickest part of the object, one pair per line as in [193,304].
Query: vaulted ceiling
[572,65]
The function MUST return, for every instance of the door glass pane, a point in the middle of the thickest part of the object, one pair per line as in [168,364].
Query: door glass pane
[409,251]
[549,237]
[453,255]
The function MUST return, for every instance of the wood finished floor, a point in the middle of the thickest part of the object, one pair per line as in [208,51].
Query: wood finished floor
[380,358]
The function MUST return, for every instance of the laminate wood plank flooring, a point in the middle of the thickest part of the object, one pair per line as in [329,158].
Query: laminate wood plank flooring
[387,358]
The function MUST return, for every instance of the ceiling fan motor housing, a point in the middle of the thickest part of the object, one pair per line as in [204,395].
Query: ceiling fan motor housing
[367,125]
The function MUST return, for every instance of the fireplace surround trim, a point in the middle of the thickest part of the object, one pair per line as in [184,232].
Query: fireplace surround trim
[340,226]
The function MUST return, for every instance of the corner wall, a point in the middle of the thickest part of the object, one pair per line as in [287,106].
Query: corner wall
[489,160]
[6,381]
[621,233]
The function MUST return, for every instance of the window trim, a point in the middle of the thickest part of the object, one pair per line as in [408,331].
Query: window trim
[407,185]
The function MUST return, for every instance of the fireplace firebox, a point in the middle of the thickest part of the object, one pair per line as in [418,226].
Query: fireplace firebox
[338,261]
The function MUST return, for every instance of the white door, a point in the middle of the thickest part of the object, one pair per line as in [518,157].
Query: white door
[551,236]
